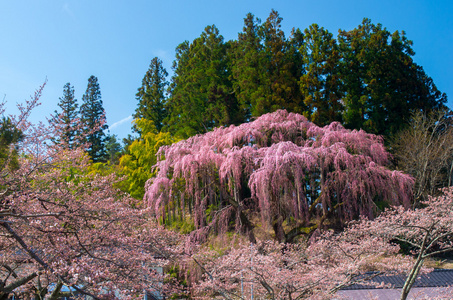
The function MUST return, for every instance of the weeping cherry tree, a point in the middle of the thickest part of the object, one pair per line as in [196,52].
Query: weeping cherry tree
[292,174]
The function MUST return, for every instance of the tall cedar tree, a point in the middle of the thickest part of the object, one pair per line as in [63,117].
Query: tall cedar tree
[381,81]
[246,67]
[151,95]
[201,94]
[266,67]
[321,84]
[93,121]
[67,120]
[283,72]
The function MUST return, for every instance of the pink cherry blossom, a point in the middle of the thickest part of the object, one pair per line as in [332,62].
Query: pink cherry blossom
[61,224]
[280,166]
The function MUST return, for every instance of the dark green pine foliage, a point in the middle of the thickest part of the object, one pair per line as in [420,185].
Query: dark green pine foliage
[382,84]
[365,78]
[201,94]
[266,67]
[247,67]
[321,83]
[151,95]
[9,135]
[283,69]
[113,149]
[93,121]
[66,121]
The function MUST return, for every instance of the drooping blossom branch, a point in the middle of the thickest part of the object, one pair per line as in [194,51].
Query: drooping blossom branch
[280,166]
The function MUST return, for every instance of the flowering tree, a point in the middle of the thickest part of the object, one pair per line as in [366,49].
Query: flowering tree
[280,166]
[63,226]
[313,270]
[428,231]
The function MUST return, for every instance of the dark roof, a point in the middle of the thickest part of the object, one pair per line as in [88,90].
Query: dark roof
[436,278]
[392,294]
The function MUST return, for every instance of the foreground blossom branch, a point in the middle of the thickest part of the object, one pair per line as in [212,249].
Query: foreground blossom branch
[61,225]
[315,269]
[428,231]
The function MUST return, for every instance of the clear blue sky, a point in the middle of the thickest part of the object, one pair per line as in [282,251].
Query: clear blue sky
[67,41]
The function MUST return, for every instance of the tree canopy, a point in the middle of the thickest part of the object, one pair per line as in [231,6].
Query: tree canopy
[201,95]
[320,83]
[266,67]
[281,167]
[381,80]
[365,78]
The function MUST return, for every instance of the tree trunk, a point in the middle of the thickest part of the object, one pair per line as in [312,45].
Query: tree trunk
[416,268]
[56,292]
[277,225]
[410,280]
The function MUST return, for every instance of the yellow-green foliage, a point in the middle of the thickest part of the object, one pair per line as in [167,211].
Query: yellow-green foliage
[103,169]
[182,225]
[141,156]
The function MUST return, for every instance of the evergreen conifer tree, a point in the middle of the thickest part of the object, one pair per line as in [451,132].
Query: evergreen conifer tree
[9,135]
[93,121]
[266,67]
[113,148]
[320,83]
[151,95]
[381,80]
[201,93]
[66,121]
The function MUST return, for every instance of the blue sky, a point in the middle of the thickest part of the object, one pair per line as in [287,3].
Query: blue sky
[67,41]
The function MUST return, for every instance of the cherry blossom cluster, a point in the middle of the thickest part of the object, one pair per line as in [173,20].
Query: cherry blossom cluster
[62,225]
[280,166]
